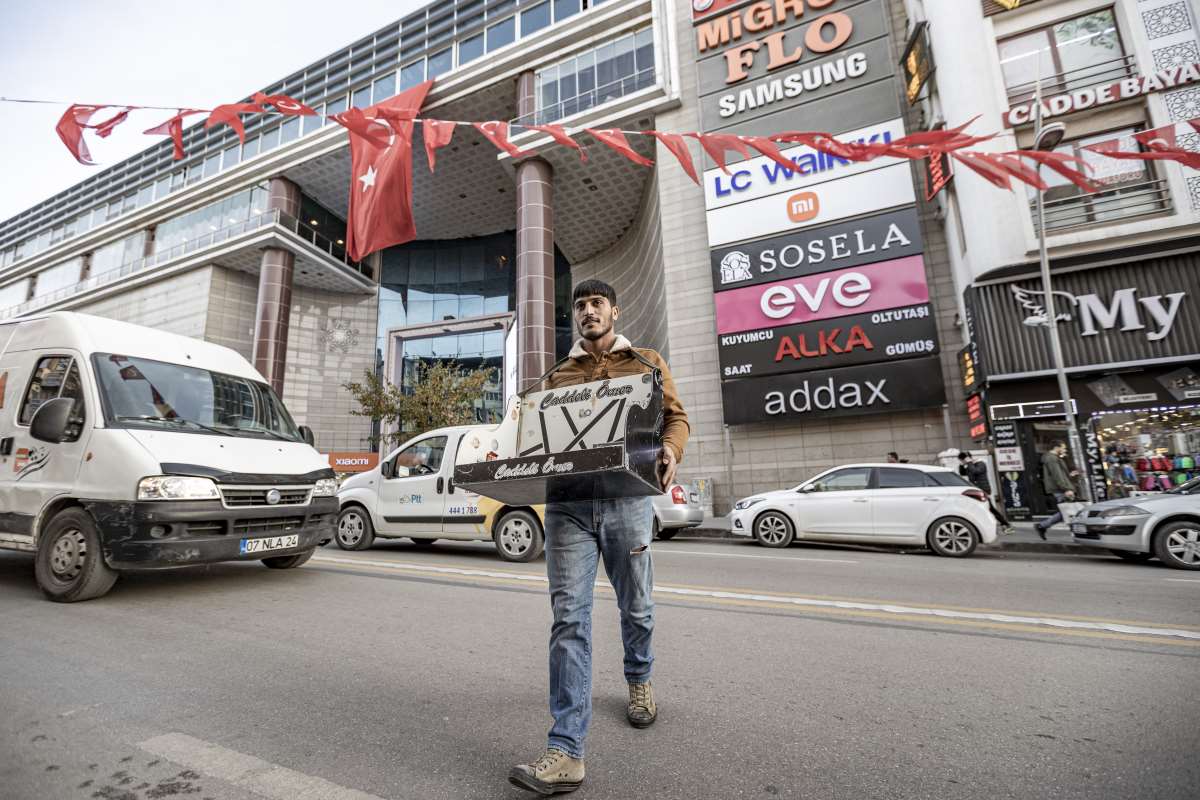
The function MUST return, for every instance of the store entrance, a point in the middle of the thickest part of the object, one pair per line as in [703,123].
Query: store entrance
[1148,450]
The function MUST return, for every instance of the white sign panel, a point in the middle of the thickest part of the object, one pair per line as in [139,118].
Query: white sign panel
[761,177]
[836,199]
[1009,459]
[510,363]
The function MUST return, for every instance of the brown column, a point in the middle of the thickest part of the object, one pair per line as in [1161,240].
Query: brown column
[275,293]
[535,256]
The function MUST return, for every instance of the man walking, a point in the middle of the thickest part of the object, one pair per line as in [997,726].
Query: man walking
[1056,480]
[582,531]
[977,474]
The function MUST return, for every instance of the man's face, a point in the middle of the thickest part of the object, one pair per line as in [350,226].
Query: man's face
[1061,450]
[595,316]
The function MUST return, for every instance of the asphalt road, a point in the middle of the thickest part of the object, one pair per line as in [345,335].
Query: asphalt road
[814,672]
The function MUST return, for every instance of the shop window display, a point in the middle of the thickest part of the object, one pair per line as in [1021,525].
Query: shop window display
[1149,450]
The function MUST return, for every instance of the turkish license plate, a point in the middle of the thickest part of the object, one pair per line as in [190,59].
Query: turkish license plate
[271,543]
[1078,527]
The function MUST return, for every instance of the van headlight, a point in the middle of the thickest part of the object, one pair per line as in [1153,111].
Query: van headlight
[177,487]
[1124,511]
[742,505]
[326,487]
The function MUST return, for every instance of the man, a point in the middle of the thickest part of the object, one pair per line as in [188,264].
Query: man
[1056,480]
[578,534]
[894,458]
[977,474]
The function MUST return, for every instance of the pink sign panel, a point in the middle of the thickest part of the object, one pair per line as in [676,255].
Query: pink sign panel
[858,290]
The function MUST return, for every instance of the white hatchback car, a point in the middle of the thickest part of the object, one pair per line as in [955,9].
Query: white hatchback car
[872,504]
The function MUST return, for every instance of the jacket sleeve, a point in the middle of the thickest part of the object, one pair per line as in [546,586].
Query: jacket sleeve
[676,428]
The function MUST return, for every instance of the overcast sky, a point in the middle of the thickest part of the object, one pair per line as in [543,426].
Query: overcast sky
[148,53]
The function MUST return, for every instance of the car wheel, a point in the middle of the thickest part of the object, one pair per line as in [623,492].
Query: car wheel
[518,536]
[952,537]
[773,529]
[289,562]
[1178,545]
[69,564]
[354,529]
[1129,555]
[667,534]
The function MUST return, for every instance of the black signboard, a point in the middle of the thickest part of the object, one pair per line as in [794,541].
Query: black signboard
[852,391]
[843,342]
[917,63]
[868,240]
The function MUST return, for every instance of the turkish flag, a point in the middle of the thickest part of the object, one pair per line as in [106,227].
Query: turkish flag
[559,134]
[617,141]
[381,176]
[715,144]
[70,129]
[438,133]
[174,128]
[674,142]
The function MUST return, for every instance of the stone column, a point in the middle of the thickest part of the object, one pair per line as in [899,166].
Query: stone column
[535,255]
[275,293]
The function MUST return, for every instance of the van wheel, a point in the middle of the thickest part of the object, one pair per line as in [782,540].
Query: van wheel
[354,529]
[952,537]
[1178,545]
[289,562]
[773,529]
[518,536]
[69,564]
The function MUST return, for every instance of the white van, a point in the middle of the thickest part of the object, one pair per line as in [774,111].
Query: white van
[123,447]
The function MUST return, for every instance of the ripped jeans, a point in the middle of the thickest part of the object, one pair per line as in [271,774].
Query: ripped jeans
[578,534]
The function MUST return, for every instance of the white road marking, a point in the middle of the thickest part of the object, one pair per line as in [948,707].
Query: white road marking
[1183,580]
[670,551]
[805,602]
[247,772]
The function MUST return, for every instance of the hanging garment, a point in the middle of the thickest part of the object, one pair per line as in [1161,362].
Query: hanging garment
[1164,482]
[1149,482]
[1143,465]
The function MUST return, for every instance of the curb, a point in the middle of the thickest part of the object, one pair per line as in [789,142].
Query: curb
[1000,545]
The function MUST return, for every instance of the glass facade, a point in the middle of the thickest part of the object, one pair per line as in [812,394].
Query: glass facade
[58,277]
[588,79]
[212,217]
[1068,55]
[14,293]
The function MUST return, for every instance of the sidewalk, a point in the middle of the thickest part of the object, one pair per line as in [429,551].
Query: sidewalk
[1023,538]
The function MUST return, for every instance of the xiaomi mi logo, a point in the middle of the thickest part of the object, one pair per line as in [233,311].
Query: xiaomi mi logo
[803,206]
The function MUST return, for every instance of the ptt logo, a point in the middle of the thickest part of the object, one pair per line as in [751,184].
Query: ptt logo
[803,206]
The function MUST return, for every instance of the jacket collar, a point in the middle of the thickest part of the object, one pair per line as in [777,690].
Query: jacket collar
[620,344]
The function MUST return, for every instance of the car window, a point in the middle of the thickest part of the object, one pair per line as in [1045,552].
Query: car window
[419,458]
[893,478]
[945,478]
[844,480]
[55,376]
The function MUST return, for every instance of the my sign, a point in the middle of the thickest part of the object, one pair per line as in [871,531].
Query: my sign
[1153,315]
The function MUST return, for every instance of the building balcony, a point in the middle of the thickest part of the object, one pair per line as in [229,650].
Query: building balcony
[1120,203]
[1102,73]
[320,262]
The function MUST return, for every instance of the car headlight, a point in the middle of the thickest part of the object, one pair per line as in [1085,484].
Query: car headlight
[326,487]
[176,487]
[1124,511]
[742,505]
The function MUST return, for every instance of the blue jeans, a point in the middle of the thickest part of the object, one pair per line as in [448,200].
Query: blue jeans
[1049,522]
[578,534]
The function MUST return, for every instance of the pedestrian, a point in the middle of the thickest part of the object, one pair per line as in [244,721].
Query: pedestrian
[581,532]
[1057,481]
[976,474]
[894,458]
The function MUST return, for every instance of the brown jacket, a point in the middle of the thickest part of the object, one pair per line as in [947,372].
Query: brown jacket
[583,367]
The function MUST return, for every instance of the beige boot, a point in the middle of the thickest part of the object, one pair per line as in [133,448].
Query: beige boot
[642,711]
[553,772]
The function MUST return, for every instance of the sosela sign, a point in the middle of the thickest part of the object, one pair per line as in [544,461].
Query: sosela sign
[1124,308]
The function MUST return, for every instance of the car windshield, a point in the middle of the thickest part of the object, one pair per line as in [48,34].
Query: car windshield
[1190,487]
[139,392]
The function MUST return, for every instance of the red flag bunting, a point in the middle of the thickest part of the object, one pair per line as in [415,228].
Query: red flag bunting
[979,164]
[617,141]
[715,144]
[174,128]
[437,134]
[769,149]
[359,124]
[284,104]
[497,133]
[381,176]
[70,129]
[559,134]
[103,129]
[678,147]
[1058,162]
[230,114]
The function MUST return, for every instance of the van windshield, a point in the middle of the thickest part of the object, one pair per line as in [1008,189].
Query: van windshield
[139,392]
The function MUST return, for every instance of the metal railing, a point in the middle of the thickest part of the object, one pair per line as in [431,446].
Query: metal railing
[1111,205]
[1080,78]
[589,99]
[202,242]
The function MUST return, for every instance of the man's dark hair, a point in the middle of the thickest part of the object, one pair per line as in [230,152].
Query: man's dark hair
[592,287]
[1057,445]
[894,455]
[963,455]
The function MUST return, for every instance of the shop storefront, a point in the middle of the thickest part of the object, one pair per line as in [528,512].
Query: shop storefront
[1131,344]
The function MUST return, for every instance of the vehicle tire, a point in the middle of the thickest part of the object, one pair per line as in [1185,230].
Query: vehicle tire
[1129,555]
[422,541]
[354,529]
[69,564]
[1178,544]
[518,536]
[952,537]
[289,562]
[774,529]
[667,534]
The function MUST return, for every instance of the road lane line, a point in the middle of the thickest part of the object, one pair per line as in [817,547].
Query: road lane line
[670,551]
[247,772]
[1183,580]
[800,602]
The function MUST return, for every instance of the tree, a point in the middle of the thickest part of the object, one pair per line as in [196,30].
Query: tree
[442,394]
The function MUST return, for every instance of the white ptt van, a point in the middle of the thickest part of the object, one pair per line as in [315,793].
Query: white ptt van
[123,447]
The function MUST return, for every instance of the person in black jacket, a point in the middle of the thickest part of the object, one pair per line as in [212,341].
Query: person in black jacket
[977,474]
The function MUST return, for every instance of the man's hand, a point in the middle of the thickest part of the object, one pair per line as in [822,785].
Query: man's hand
[1070,495]
[667,465]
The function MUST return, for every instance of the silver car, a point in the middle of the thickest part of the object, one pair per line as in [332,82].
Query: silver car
[1165,525]
[675,509]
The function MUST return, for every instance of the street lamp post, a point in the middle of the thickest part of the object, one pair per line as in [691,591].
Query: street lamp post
[1048,137]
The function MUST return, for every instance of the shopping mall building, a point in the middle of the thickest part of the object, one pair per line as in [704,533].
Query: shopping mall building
[810,316]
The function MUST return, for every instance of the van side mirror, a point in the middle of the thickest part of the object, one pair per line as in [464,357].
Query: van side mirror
[385,469]
[306,433]
[50,421]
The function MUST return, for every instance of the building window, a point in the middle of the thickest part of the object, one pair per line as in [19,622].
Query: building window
[361,97]
[384,88]
[59,277]
[231,156]
[440,63]
[565,8]
[116,254]
[412,74]
[1129,187]
[501,34]
[610,71]
[336,106]
[14,293]
[313,122]
[290,130]
[470,49]
[212,165]
[536,18]
[1068,55]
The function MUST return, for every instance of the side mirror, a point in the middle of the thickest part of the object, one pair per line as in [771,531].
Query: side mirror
[50,421]
[808,487]
[306,434]
[385,469]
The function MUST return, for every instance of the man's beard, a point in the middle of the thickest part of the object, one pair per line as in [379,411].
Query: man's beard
[593,335]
